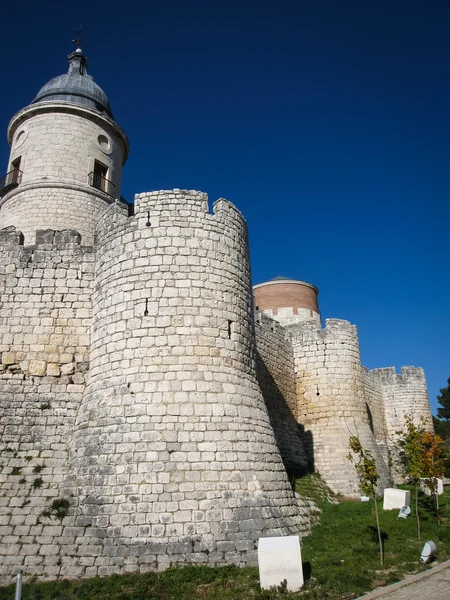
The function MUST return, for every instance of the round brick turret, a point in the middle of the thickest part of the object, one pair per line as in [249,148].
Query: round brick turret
[288,300]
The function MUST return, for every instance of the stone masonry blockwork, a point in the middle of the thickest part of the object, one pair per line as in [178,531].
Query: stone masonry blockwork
[45,319]
[132,369]
[141,397]
[331,400]
[149,417]
[173,422]
[275,370]
[57,146]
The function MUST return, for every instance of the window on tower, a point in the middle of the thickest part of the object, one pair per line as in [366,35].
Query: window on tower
[99,177]
[12,179]
[15,170]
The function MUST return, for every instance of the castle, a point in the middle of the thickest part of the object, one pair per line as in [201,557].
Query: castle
[154,408]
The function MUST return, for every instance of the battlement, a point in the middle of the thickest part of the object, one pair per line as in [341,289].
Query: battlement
[160,202]
[224,208]
[267,322]
[49,243]
[339,325]
[161,208]
[334,328]
[388,375]
[50,238]
[114,220]
[11,237]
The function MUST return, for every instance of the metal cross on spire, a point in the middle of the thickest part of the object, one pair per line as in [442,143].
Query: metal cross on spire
[80,36]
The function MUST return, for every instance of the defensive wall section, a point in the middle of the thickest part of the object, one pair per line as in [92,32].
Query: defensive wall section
[148,420]
[331,401]
[45,319]
[404,394]
[173,424]
[275,374]
[335,397]
[135,435]
[376,412]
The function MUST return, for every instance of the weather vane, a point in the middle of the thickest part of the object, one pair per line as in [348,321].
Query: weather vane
[80,36]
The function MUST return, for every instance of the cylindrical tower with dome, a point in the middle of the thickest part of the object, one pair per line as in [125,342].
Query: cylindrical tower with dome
[66,159]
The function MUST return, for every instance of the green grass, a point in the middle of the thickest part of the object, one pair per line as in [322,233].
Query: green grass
[186,583]
[342,552]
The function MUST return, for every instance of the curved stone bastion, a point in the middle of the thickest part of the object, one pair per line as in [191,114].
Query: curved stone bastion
[173,453]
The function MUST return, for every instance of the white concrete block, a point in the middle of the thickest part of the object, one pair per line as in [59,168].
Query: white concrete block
[440,487]
[279,559]
[394,498]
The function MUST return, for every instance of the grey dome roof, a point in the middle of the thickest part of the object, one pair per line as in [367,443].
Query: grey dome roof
[76,87]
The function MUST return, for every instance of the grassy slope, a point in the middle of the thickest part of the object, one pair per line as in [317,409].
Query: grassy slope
[343,552]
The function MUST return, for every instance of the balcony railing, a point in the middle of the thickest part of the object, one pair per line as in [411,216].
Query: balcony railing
[100,182]
[10,181]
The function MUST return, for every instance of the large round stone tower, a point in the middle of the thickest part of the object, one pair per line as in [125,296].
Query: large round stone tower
[173,451]
[66,158]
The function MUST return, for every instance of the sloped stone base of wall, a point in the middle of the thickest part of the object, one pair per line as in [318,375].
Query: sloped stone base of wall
[331,449]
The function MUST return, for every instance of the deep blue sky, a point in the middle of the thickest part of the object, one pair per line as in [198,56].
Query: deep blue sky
[327,123]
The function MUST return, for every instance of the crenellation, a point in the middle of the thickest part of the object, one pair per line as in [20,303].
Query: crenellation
[10,236]
[57,239]
[166,207]
[404,394]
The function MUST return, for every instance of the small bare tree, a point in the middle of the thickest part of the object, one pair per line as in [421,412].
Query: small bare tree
[421,459]
[366,468]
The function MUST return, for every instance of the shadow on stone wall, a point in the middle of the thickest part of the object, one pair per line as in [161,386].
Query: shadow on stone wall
[291,437]
[307,439]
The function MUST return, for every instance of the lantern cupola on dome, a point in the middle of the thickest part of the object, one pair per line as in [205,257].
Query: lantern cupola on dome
[76,87]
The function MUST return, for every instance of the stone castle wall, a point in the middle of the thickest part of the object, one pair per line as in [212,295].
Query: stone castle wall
[168,455]
[147,418]
[375,407]
[275,373]
[404,394]
[331,400]
[373,394]
[45,318]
